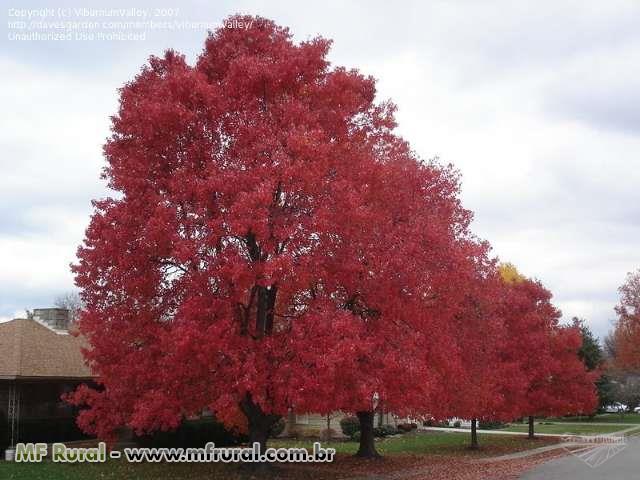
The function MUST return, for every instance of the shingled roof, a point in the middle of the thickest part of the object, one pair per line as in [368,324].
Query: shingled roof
[31,350]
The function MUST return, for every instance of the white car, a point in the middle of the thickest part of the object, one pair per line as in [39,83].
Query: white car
[637,409]
[615,408]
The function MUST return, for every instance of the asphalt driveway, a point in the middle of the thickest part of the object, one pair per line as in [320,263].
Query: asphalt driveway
[601,463]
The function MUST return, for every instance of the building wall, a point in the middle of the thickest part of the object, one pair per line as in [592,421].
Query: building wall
[314,424]
[56,318]
[4,424]
[43,415]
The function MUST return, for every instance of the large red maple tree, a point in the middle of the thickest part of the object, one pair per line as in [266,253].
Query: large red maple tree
[482,372]
[403,284]
[570,387]
[552,379]
[271,245]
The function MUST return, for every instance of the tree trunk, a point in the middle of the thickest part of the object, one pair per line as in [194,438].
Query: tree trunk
[259,423]
[266,295]
[474,434]
[264,310]
[531,429]
[367,447]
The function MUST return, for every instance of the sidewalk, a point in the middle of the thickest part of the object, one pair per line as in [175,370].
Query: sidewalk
[630,428]
[596,423]
[494,432]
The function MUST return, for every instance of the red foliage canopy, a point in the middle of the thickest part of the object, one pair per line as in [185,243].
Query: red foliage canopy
[476,389]
[552,379]
[273,243]
[516,360]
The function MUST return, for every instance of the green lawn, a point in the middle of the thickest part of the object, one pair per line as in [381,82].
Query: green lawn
[417,443]
[398,450]
[604,418]
[562,428]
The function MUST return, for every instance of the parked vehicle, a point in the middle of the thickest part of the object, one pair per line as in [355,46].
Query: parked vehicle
[616,407]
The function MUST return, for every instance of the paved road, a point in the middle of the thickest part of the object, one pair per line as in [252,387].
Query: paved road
[609,463]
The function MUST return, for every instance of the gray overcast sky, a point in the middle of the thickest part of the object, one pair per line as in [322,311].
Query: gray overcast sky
[536,102]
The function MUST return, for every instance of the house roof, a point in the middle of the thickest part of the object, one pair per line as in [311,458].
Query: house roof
[29,349]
